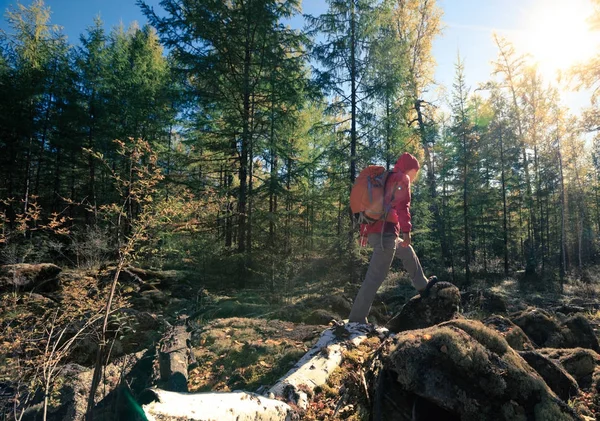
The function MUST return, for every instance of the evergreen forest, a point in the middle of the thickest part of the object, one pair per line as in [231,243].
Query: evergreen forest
[221,142]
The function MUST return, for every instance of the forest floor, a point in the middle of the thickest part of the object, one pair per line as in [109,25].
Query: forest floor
[241,339]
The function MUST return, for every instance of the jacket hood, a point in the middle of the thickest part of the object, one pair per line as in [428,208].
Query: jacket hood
[406,162]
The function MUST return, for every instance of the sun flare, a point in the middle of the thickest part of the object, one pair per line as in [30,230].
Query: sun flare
[557,35]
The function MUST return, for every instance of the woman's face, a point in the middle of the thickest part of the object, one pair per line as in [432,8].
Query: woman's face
[412,174]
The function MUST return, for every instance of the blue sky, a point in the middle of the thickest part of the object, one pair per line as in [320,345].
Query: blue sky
[468,28]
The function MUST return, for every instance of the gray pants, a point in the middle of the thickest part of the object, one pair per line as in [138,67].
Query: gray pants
[384,248]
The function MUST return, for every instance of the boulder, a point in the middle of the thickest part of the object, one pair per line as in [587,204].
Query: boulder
[568,309]
[580,363]
[540,326]
[321,317]
[337,304]
[72,388]
[41,277]
[441,305]
[578,332]
[546,331]
[471,373]
[514,335]
[485,300]
[556,377]
[150,300]
[126,278]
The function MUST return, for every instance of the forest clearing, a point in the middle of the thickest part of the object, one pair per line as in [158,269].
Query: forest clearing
[181,237]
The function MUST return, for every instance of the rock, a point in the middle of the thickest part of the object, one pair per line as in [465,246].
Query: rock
[547,332]
[338,304]
[539,326]
[40,277]
[141,331]
[126,278]
[70,397]
[321,317]
[514,335]
[39,304]
[556,377]
[150,300]
[149,274]
[485,300]
[578,332]
[441,305]
[471,372]
[568,309]
[580,363]
[391,402]
[184,290]
[73,388]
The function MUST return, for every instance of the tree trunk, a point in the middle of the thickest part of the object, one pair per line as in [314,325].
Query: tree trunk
[56,191]
[431,183]
[173,357]
[353,134]
[504,206]
[243,172]
[295,387]
[91,160]
[36,189]
[273,171]
[288,207]
[388,135]
[466,213]
[229,211]
[563,235]
[250,205]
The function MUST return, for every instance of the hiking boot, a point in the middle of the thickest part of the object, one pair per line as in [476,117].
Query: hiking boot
[425,291]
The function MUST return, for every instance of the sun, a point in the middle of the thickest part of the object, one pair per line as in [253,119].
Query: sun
[557,35]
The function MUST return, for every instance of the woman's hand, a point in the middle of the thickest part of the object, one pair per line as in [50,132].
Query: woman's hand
[405,242]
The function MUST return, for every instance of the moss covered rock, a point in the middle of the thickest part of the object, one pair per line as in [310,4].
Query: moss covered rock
[485,300]
[441,305]
[547,331]
[581,363]
[514,335]
[578,332]
[42,277]
[555,376]
[540,326]
[321,317]
[470,371]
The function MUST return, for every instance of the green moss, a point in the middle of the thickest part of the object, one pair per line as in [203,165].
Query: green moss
[336,377]
[487,337]
[548,410]
[513,411]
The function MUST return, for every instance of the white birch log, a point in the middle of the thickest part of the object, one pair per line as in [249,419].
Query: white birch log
[234,406]
[315,367]
[313,370]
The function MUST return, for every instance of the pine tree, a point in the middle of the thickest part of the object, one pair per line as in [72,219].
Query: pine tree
[229,69]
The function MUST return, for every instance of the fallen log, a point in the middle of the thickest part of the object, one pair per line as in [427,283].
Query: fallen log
[234,406]
[173,357]
[312,370]
[315,367]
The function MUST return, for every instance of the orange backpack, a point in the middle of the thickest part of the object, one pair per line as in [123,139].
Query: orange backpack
[368,193]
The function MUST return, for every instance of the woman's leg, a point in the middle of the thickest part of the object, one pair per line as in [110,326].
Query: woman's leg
[412,265]
[384,247]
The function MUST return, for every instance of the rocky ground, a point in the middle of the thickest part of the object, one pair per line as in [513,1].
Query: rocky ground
[503,351]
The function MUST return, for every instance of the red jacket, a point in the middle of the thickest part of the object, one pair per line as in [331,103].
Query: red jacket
[399,214]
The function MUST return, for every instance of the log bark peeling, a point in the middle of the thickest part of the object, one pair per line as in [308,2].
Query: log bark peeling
[173,358]
[234,406]
[313,370]
[315,367]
